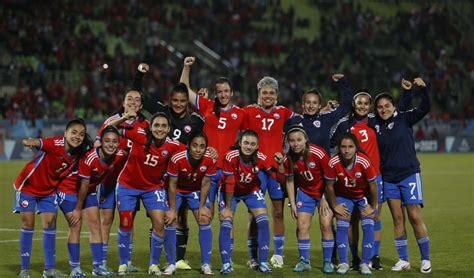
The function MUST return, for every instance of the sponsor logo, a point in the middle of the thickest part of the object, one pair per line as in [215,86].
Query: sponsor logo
[276,116]
[341,246]
[258,116]
[368,245]
[312,164]
[233,116]
[317,123]
[358,174]
[187,129]
[203,168]
[413,197]
[25,203]
[26,254]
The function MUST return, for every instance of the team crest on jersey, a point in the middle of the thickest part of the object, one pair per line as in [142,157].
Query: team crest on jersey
[25,203]
[358,174]
[390,125]
[276,116]
[255,169]
[118,204]
[312,164]
[164,153]
[299,204]
[203,168]
[377,128]
[317,123]
[187,129]
[233,116]
[222,204]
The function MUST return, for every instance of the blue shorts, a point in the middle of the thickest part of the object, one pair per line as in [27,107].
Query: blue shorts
[253,200]
[106,194]
[306,203]
[215,184]
[409,190]
[152,199]
[275,191]
[191,199]
[380,195]
[351,203]
[68,202]
[28,203]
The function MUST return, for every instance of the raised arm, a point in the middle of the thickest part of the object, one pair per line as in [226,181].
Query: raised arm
[346,98]
[405,101]
[415,115]
[188,62]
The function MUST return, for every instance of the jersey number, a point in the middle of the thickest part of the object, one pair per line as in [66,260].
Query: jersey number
[267,124]
[307,175]
[365,136]
[151,160]
[349,183]
[222,123]
[160,196]
[176,134]
[259,195]
[192,176]
[245,178]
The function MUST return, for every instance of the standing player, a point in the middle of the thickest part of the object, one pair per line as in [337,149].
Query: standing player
[142,178]
[241,183]
[35,190]
[401,172]
[223,120]
[304,167]
[351,182]
[190,172]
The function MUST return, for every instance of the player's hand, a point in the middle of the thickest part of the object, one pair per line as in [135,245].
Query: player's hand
[130,115]
[324,208]
[204,213]
[75,217]
[278,157]
[170,216]
[212,152]
[143,68]
[333,104]
[203,92]
[406,85]
[29,143]
[294,213]
[368,210]
[97,144]
[226,214]
[419,82]
[342,210]
[336,77]
[189,61]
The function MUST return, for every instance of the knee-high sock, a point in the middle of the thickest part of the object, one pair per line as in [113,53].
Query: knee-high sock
[342,240]
[328,246]
[170,244]
[105,253]
[401,244]
[96,250]
[224,240]
[124,245]
[26,243]
[49,247]
[156,248]
[263,236]
[377,228]
[367,239]
[252,245]
[205,240]
[74,254]
[278,243]
[424,245]
[182,236]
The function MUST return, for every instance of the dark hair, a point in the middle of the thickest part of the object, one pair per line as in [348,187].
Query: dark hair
[293,157]
[149,135]
[361,92]
[314,92]
[236,146]
[387,96]
[108,129]
[86,144]
[196,135]
[217,103]
[140,114]
[352,137]
[179,88]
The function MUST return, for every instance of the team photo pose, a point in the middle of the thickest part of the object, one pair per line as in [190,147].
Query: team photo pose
[241,183]
[400,170]
[304,166]
[190,171]
[35,190]
[350,183]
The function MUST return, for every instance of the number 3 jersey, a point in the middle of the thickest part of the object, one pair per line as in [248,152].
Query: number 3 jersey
[245,174]
[145,167]
[189,177]
[309,175]
[352,183]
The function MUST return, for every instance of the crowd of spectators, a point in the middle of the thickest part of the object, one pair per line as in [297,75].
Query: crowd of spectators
[59,62]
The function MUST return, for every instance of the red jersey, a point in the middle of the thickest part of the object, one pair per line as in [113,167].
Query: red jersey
[269,127]
[222,132]
[190,178]
[246,175]
[93,168]
[134,123]
[145,168]
[368,141]
[70,184]
[351,183]
[309,176]
[40,176]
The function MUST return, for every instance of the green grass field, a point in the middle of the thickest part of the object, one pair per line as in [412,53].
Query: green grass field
[448,190]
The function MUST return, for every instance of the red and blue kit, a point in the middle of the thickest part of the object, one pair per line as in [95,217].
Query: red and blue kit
[130,124]
[189,177]
[351,183]
[222,131]
[309,175]
[368,141]
[40,177]
[246,174]
[269,127]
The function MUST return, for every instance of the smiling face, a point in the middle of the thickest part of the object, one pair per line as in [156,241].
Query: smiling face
[362,105]
[197,148]
[248,144]
[297,141]
[347,149]
[110,143]
[385,108]
[160,128]
[179,102]
[132,102]
[224,93]
[75,135]
[267,97]
[311,104]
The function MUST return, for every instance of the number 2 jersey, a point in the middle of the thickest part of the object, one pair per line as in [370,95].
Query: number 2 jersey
[351,183]
[41,176]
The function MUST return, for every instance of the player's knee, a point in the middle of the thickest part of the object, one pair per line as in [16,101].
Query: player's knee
[126,220]
[277,214]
